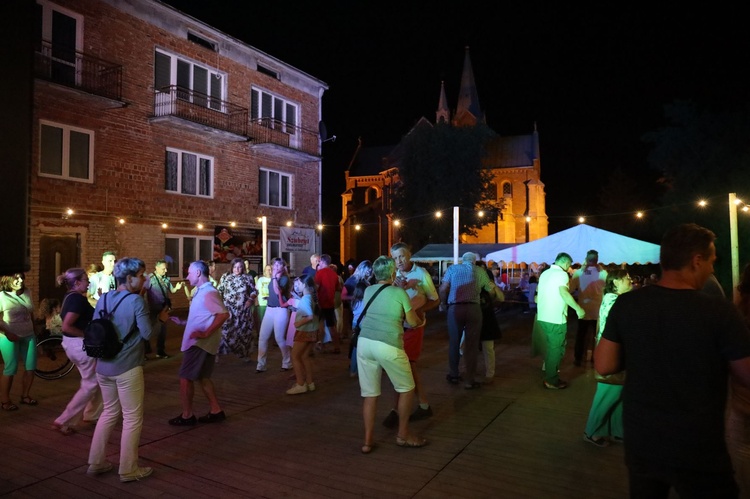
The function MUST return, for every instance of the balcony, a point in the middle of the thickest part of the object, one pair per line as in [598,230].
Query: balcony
[270,131]
[200,108]
[264,133]
[66,66]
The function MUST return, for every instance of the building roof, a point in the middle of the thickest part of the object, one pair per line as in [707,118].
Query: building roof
[369,161]
[513,151]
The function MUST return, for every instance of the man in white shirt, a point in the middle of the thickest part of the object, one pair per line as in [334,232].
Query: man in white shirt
[102,281]
[200,343]
[553,300]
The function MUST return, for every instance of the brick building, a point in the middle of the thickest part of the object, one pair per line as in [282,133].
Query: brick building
[158,131]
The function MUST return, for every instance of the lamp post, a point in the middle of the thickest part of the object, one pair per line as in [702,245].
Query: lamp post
[734,243]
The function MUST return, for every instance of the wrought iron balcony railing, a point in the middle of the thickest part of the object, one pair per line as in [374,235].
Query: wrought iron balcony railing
[69,67]
[271,131]
[206,110]
[200,108]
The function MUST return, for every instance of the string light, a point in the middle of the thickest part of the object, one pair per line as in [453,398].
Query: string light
[438,214]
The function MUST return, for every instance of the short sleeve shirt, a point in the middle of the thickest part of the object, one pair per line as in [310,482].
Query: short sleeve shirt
[206,304]
[551,307]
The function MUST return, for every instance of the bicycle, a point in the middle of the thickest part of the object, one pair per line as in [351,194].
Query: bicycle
[51,360]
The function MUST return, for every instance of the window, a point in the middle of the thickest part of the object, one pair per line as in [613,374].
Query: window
[184,250]
[195,83]
[275,189]
[274,251]
[66,152]
[507,189]
[273,112]
[61,31]
[188,173]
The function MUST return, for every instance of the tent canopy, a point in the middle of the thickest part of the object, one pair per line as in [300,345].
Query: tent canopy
[444,252]
[576,241]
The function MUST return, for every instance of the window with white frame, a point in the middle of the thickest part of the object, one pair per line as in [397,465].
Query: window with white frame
[58,34]
[273,111]
[181,251]
[66,152]
[194,82]
[275,189]
[188,173]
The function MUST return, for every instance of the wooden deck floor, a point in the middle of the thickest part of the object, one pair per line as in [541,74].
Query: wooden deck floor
[510,439]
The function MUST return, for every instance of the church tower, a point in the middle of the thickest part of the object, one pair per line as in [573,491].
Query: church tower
[443,114]
[468,112]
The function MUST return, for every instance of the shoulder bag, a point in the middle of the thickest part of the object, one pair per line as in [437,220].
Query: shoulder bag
[356,329]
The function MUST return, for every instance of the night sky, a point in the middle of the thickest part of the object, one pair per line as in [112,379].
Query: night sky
[593,81]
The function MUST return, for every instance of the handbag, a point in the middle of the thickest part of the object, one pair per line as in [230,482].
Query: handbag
[610,379]
[356,329]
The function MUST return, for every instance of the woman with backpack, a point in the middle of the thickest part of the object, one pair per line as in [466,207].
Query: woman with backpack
[121,377]
[76,313]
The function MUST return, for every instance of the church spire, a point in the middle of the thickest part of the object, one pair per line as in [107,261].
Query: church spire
[443,114]
[468,112]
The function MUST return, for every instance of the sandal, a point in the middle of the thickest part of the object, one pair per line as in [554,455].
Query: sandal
[405,442]
[28,401]
[9,406]
[64,429]
[367,448]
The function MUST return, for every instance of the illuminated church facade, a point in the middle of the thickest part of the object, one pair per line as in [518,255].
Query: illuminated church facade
[519,216]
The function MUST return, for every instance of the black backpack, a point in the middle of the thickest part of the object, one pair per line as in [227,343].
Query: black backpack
[100,338]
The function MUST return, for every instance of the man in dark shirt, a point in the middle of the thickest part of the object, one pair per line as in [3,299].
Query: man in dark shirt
[678,346]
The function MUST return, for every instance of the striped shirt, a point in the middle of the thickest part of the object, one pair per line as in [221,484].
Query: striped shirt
[466,282]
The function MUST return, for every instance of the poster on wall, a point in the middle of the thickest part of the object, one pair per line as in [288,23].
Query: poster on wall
[230,242]
[297,239]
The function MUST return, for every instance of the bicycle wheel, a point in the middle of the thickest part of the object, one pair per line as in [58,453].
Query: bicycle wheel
[51,360]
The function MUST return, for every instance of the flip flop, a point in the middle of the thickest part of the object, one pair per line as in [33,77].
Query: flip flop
[9,406]
[405,442]
[28,401]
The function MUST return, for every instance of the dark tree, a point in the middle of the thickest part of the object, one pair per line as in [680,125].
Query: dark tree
[704,153]
[440,167]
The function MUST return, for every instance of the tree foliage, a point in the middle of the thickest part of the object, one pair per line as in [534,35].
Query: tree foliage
[704,153]
[440,167]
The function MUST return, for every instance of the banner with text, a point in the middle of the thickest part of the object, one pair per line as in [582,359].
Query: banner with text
[296,239]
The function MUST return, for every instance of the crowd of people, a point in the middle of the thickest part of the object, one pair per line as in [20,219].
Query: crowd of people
[668,354]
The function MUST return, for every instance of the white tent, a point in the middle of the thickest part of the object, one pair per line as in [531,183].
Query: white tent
[576,241]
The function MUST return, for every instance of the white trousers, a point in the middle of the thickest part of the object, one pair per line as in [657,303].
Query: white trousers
[88,399]
[275,321]
[123,396]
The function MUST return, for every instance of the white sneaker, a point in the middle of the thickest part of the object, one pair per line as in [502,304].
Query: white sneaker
[311,387]
[297,389]
[138,474]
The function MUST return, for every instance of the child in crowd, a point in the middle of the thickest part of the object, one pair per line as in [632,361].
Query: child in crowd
[49,309]
[306,322]
[298,292]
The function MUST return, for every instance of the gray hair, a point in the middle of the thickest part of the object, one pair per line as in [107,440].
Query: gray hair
[127,267]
